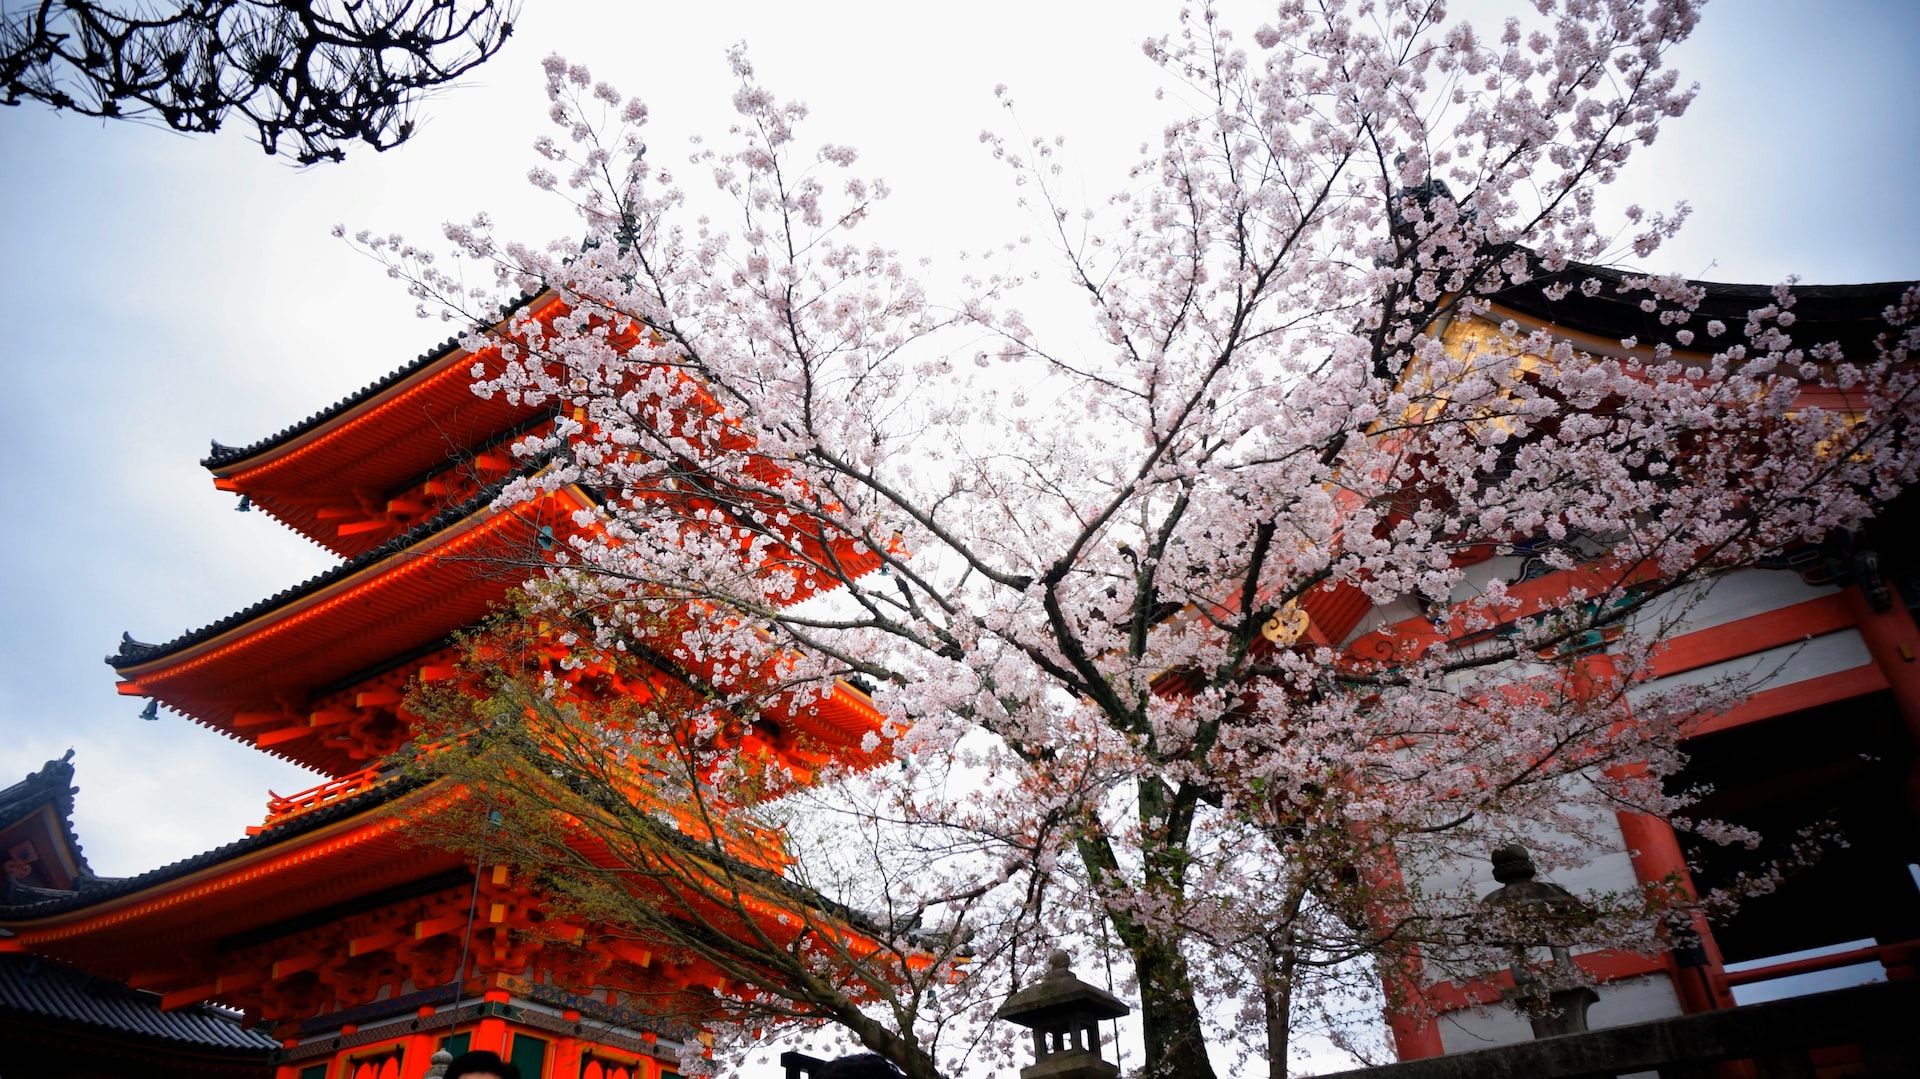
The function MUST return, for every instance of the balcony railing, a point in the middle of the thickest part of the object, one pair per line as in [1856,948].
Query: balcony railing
[1866,1030]
[282,808]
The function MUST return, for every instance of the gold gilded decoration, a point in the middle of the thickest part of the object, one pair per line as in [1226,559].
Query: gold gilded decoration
[1287,625]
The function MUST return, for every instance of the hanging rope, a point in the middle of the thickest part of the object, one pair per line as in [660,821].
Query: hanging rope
[473,904]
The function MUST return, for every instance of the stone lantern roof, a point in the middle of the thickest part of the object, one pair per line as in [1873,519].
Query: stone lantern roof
[1059,995]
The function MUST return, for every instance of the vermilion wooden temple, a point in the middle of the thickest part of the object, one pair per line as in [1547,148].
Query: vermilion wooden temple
[328,924]
[1831,740]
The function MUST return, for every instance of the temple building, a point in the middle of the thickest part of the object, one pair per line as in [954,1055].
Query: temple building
[56,1020]
[329,941]
[1830,741]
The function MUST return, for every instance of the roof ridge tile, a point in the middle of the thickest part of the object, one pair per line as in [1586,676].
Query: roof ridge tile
[132,652]
[225,455]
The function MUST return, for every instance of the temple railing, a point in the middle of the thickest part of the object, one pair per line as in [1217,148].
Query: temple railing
[1865,1030]
[1899,960]
[282,808]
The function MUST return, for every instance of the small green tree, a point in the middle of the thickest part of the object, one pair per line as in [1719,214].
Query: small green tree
[658,822]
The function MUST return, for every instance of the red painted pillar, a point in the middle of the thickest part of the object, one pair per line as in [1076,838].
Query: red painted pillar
[419,1052]
[1894,642]
[287,1071]
[491,1034]
[1410,1014]
[1658,861]
[566,1051]
[1416,1032]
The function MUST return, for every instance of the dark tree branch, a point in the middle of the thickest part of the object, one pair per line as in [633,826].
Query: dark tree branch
[310,75]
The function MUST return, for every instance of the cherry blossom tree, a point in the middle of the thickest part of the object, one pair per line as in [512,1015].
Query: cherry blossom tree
[1108,566]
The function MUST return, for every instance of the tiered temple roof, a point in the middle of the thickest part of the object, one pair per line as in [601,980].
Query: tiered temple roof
[41,853]
[332,912]
[389,457]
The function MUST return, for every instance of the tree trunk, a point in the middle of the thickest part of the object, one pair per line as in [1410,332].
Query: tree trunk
[1170,1021]
[1175,1041]
[1277,991]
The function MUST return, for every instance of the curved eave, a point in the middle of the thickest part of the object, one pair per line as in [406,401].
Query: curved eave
[358,848]
[422,418]
[225,460]
[1849,315]
[842,719]
[358,617]
[358,469]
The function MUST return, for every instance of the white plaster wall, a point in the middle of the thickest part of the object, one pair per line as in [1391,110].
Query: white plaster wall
[1382,616]
[1482,1028]
[1631,1000]
[1727,598]
[1775,667]
[1598,864]
[1474,578]
[1604,865]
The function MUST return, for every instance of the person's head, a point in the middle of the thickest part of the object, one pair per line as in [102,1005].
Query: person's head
[860,1066]
[481,1065]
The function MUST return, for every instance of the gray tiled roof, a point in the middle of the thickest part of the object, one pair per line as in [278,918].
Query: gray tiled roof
[38,986]
[96,891]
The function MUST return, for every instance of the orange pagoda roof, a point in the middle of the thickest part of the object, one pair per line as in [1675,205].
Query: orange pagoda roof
[349,477]
[253,674]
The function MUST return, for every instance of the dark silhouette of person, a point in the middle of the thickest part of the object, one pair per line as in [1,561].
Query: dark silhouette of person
[481,1065]
[859,1066]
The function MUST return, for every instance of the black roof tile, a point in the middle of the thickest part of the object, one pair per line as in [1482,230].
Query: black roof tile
[1848,315]
[98,890]
[38,986]
[132,653]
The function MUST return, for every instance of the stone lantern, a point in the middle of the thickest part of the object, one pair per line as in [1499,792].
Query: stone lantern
[1540,914]
[1064,1014]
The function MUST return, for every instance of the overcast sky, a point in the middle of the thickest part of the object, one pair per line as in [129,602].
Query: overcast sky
[159,291]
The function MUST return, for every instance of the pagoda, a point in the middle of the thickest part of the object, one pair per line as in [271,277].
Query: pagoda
[331,925]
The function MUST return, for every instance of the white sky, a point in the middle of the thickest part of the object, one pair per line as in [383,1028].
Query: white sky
[158,291]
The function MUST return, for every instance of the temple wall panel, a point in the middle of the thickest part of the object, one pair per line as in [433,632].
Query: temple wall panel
[1590,858]
[1381,617]
[1630,1000]
[1773,668]
[1728,598]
